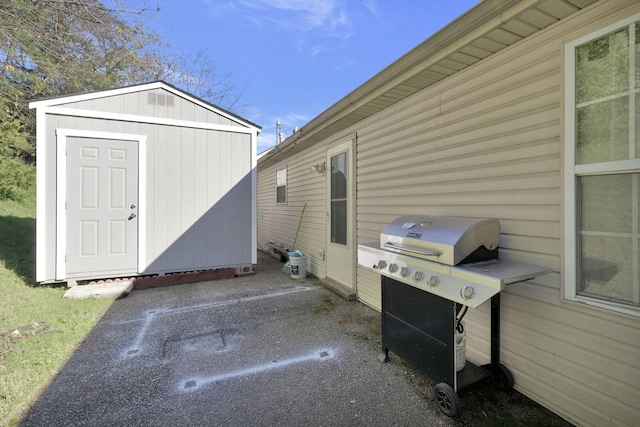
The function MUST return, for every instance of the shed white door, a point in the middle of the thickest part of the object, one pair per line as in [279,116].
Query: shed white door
[340,227]
[102,199]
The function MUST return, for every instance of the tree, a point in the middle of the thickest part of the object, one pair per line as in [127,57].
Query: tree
[50,48]
[199,76]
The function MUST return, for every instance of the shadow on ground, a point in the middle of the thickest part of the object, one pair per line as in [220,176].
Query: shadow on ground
[17,246]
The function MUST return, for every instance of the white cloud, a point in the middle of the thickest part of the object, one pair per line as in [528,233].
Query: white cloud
[312,21]
[313,13]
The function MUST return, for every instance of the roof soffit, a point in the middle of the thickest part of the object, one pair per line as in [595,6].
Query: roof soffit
[489,27]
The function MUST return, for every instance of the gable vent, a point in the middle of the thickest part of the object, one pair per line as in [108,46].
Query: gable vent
[160,99]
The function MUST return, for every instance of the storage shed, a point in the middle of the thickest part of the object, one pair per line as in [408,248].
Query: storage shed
[142,180]
[525,111]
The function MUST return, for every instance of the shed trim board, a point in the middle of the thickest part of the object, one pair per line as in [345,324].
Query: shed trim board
[61,188]
[440,133]
[60,111]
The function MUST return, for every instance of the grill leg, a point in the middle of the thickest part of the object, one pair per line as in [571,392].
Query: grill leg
[495,335]
[384,356]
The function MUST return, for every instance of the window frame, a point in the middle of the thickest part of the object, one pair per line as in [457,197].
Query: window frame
[286,181]
[572,171]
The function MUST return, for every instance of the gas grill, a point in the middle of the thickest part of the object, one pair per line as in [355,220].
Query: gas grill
[432,270]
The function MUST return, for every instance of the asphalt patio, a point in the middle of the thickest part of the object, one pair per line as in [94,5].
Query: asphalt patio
[262,350]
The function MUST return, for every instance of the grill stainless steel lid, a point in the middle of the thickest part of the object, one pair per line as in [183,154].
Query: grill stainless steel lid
[453,257]
[447,240]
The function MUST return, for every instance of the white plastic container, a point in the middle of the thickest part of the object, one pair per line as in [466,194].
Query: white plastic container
[298,265]
[461,348]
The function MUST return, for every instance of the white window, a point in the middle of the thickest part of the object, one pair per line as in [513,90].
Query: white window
[602,168]
[281,185]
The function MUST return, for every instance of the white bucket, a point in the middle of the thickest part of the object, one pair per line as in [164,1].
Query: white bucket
[461,348]
[298,265]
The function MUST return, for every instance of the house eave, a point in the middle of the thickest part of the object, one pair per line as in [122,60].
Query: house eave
[487,28]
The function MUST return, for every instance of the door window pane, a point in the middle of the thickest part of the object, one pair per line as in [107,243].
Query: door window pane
[339,199]
[281,185]
[339,222]
[338,176]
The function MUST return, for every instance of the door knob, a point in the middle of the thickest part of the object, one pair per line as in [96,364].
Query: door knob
[132,216]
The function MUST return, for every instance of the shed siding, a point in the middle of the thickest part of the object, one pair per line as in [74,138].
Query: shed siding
[486,142]
[201,211]
[138,104]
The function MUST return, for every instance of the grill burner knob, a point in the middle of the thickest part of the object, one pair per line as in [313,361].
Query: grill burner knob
[393,267]
[382,264]
[434,281]
[468,292]
[404,271]
[418,276]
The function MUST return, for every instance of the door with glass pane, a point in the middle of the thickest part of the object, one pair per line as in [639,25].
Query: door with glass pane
[340,214]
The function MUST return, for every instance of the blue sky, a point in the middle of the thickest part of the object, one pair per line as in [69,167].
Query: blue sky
[293,59]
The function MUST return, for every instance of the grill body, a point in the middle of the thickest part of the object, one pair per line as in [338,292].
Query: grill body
[453,257]
[432,269]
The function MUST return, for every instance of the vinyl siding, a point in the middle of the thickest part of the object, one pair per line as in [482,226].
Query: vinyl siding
[487,142]
[279,222]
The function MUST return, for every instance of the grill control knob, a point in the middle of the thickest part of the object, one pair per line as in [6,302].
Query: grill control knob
[434,281]
[393,267]
[468,292]
[404,271]
[418,276]
[382,264]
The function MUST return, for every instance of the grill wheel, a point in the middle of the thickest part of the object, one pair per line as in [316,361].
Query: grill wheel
[447,399]
[504,379]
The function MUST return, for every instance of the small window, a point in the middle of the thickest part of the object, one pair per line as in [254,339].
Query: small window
[281,185]
[602,160]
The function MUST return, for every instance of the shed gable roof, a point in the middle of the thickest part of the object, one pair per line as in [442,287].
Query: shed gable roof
[78,98]
[487,28]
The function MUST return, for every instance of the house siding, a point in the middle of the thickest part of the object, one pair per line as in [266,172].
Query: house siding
[487,142]
[279,222]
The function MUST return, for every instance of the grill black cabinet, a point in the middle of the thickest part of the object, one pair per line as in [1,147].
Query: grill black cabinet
[419,327]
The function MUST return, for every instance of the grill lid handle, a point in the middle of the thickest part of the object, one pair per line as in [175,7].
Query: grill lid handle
[433,252]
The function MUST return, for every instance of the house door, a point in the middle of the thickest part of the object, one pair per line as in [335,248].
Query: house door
[101,207]
[340,212]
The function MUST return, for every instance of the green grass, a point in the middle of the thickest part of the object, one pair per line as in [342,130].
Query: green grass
[39,330]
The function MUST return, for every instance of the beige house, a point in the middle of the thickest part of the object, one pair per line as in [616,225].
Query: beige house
[520,110]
